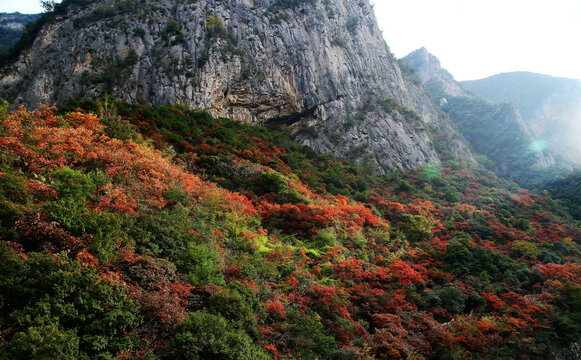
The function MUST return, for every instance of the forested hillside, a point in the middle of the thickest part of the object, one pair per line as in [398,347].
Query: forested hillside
[497,133]
[549,107]
[568,190]
[502,139]
[143,233]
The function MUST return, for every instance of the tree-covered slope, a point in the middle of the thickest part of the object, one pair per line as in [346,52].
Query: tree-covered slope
[498,134]
[496,131]
[146,233]
[549,106]
[568,190]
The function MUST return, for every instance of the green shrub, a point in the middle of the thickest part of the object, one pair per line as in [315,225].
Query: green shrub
[245,73]
[12,189]
[215,27]
[326,237]
[452,195]
[234,307]
[527,249]
[352,24]
[200,264]
[3,106]
[117,128]
[42,342]
[132,57]
[205,336]
[138,32]
[59,309]
[339,42]
[309,338]
[72,183]
[305,128]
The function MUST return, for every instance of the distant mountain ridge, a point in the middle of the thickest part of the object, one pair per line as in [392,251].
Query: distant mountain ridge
[525,89]
[550,106]
[435,78]
[11,25]
[496,131]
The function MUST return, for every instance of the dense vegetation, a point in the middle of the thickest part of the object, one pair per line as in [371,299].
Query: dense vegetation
[147,233]
[568,190]
[7,38]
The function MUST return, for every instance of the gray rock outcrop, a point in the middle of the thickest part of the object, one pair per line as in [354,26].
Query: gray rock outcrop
[432,74]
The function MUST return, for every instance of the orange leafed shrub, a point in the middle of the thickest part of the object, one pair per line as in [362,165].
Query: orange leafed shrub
[141,174]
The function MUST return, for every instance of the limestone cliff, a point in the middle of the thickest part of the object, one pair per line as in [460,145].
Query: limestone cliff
[320,67]
[434,77]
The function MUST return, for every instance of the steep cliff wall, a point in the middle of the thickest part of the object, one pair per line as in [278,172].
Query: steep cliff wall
[320,66]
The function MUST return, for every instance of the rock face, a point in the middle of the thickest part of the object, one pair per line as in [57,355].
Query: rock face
[551,108]
[434,77]
[321,67]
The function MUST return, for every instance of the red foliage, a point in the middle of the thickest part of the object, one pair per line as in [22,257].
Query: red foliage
[162,299]
[307,219]
[547,235]
[405,274]
[565,272]
[41,191]
[38,234]
[275,309]
[494,301]
[86,259]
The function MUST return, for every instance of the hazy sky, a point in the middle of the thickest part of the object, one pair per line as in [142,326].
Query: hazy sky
[23,6]
[475,39]
[472,39]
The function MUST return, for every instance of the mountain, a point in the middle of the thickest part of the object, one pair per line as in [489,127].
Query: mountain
[11,25]
[187,222]
[320,68]
[436,79]
[550,107]
[496,131]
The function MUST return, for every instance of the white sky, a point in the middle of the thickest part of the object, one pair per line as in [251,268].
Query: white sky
[472,38]
[476,39]
[23,6]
